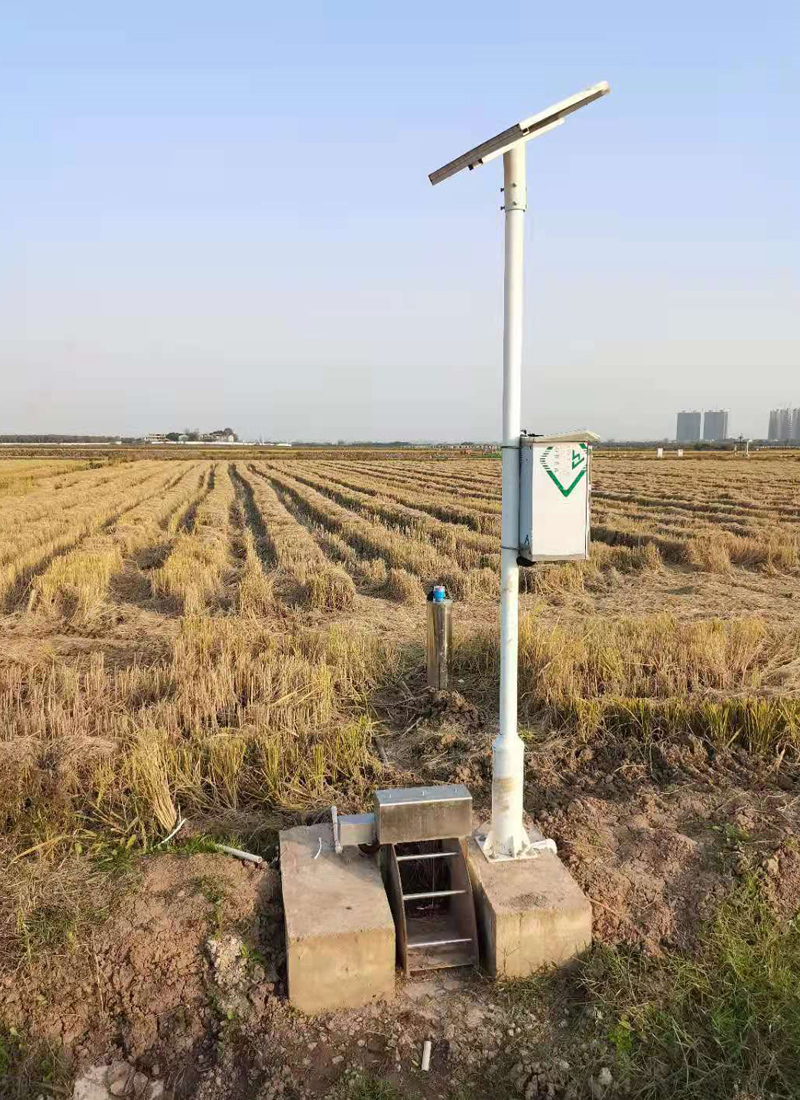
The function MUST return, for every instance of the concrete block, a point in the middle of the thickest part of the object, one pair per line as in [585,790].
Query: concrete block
[531,913]
[340,937]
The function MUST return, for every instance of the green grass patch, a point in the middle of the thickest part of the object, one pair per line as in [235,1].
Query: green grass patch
[723,1021]
[214,893]
[363,1086]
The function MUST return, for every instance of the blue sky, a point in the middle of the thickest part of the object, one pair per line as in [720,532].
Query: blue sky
[221,213]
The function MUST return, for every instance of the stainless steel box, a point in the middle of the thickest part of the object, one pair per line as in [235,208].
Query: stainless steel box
[423,813]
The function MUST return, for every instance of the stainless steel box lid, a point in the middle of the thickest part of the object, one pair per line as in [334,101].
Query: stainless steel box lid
[423,813]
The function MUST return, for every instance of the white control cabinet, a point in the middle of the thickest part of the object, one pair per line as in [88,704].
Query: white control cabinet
[554,495]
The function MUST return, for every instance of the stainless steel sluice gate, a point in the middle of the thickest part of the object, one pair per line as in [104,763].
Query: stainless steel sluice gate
[421,834]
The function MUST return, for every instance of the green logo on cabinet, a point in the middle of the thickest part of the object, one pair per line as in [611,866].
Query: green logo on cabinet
[565,468]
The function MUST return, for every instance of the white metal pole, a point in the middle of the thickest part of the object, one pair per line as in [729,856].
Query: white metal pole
[507,838]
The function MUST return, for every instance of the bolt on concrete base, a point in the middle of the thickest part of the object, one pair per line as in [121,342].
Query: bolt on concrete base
[531,913]
[340,937]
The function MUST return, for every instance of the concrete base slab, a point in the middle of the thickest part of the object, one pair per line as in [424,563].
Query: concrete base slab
[531,913]
[340,937]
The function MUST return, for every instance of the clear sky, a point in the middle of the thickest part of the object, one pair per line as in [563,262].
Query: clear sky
[219,213]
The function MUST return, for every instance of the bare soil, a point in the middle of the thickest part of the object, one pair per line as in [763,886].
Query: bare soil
[186,983]
[186,980]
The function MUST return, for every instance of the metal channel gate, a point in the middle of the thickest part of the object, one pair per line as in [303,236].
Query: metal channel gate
[422,833]
[437,940]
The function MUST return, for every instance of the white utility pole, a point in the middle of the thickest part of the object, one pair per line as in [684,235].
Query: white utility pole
[507,838]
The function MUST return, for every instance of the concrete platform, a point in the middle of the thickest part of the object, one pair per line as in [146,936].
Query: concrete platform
[531,913]
[340,937]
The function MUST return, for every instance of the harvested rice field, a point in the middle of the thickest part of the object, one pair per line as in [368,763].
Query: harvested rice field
[236,642]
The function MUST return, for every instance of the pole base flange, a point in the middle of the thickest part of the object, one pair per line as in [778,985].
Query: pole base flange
[528,849]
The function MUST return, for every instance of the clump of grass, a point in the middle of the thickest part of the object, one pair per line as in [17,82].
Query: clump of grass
[546,579]
[192,572]
[321,584]
[329,588]
[199,560]
[709,552]
[759,725]
[404,547]
[213,890]
[484,581]
[724,1021]
[365,1086]
[626,559]
[236,717]
[75,585]
[256,591]
[647,679]
[654,657]
[772,553]
[403,587]
[373,571]
[46,914]
[30,1068]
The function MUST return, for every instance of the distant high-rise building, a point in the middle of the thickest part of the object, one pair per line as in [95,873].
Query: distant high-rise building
[784,425]
[688,427]
[715,424]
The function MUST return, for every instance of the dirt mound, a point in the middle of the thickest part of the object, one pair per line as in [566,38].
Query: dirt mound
[439,706]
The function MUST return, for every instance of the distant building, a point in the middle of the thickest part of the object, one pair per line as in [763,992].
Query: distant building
[784,424]
[688,427]
[155,437]
[715,424]
[224,435]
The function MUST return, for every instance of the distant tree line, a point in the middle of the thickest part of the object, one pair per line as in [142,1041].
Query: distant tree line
[67,438]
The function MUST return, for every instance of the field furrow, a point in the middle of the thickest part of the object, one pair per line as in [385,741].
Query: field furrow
[485,492]
[315,581]
[75,585]
[467,547]
[34,520]
[400,548]
[482,516]
[62,534]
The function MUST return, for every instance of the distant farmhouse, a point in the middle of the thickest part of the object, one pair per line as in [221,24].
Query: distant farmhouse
[222,435]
